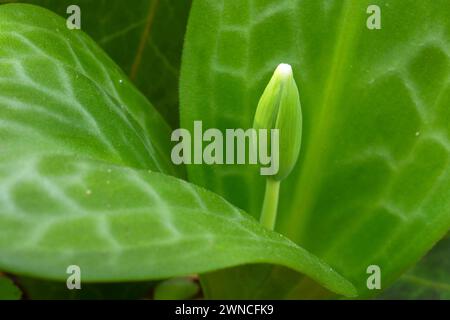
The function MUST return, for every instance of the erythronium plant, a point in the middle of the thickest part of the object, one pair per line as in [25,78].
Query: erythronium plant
[87,178]
[85,170]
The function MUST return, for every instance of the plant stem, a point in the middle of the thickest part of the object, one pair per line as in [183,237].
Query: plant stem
[269,209]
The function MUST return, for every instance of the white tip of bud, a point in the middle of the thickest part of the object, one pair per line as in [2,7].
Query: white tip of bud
[284,69]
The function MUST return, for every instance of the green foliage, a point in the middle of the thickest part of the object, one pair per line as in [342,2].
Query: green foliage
[429,279]
[372,185]
[79,181]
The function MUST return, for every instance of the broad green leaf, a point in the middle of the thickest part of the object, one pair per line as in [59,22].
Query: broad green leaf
[143,37]
[429,279]
[77,174]
[40,54]
[8,290]
[372,185]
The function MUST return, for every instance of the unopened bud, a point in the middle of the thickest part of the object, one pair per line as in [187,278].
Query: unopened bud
[279,108]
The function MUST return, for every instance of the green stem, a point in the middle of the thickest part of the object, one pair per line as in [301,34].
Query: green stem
[269,209]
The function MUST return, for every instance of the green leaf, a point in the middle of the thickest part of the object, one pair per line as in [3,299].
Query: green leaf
[8,290]
[372,185]
[122,224]
[42,61]
[77,174]
[429,279]
[143,37]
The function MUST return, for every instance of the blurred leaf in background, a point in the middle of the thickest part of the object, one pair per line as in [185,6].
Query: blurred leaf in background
[8,290]
[144,37]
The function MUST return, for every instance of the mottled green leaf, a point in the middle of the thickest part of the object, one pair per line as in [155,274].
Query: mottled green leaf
[36,289]
[79,151]
[372,185]
[176,289]
[144,37]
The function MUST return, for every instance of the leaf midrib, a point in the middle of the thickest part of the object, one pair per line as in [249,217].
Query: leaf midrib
[308,183]
[144,38]
[426,282]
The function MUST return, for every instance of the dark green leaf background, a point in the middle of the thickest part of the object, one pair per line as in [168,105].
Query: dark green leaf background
[144,37]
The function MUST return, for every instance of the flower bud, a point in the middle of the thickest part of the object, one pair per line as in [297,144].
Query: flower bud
[279,108]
